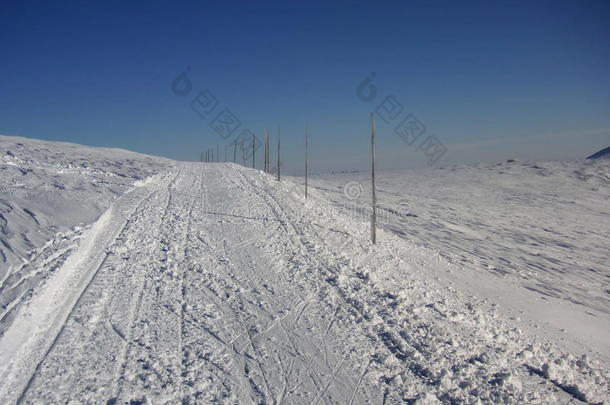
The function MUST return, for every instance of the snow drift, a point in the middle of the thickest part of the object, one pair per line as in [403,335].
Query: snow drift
[50,192]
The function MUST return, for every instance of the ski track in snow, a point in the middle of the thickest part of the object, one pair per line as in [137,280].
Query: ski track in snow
[216,284]
[49,192]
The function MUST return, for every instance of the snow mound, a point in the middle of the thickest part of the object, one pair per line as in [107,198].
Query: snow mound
[602,154]
[49,194]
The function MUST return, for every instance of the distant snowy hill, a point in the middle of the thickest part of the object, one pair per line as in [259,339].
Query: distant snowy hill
[602,154]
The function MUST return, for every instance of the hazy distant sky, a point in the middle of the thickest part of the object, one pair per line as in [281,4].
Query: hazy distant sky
[491,80]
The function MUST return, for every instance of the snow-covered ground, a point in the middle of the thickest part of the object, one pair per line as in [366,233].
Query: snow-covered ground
[50,192]
[213,283]
[530,236]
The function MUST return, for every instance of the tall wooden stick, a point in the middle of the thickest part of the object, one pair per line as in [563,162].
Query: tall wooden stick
[217,152]
[305,162]
[235,152]
[278,153]
[374,213]
[265,168]
[266,152]
[226,153]
[253,140]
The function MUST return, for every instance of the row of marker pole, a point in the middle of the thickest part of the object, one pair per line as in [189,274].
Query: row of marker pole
[208,156]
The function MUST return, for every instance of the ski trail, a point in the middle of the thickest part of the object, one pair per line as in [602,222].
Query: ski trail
[134,310]
[222,288]
[28,348]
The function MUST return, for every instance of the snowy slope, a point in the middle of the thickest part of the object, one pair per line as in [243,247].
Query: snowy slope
[531,236]
[50,192]
[213,283]
[602,154]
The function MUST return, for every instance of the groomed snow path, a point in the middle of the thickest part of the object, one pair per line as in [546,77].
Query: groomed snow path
[210,285]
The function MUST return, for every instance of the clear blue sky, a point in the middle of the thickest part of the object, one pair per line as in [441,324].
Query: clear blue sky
[491,80]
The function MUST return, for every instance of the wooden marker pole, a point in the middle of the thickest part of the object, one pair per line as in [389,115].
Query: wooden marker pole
[278,153]
[265,168]
[305,162]
[374,213]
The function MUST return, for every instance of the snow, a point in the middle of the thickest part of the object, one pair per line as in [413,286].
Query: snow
[530,236]
[50,187]
[214,283]
[50,192]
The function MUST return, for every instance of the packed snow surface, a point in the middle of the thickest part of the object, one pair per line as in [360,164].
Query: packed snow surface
[213,283]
